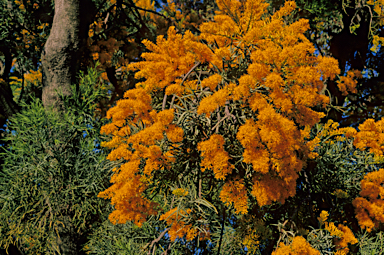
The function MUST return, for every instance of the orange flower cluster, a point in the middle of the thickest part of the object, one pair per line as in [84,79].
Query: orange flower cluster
[178,227]
[145,4]
[333,230]
[137,105]
[348,83]
[298,246]
[347,237]
[34,77]
[236,193]
[343,234]
[323,217]
[341,252]
[170,58]
[142,146]
[281,86]
[369,207]
[330,129]
[215,157]
[371,135]
[378,9]
[32,80]
[377,40]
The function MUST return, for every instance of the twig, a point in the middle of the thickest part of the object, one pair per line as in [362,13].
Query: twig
[184,78]
[173,99]
[217,124]
[162,15]
[219,120]
[189,72]
[173,199]
[166,251]
[370,21]
[157,240]
[164,101]
[282,231]
[227,113]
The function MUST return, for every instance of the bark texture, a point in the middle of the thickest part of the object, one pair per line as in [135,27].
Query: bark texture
[60,64]
[63,50]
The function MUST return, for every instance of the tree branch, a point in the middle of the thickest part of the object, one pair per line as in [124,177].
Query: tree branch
[157,240]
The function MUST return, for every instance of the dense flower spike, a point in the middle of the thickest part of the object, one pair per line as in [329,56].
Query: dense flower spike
[298,246]
[215,157]
[323,217]
[347,237]
[369,207]
[170,58]
[126,191]
[333,230]
[236,193]
[371,135]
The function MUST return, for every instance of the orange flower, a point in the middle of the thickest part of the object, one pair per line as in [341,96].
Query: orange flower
[348,83]
[215,157]
[298,246]
[178,228]
[236,193]
[369,207]
[347,237]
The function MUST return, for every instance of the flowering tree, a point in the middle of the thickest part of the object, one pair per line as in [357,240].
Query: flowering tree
[227,142]
[222,123]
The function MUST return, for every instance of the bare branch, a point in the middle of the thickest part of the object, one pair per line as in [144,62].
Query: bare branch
[157,240]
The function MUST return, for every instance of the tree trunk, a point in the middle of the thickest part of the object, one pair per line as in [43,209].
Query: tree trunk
[63,50]
[60,64]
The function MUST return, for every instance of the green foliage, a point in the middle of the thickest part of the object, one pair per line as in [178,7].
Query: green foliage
[126,238]
[111,239]
[53,170]
[84,97]
[370,244]
[335,180]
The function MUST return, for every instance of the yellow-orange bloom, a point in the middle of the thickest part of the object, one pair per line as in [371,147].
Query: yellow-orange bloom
[347,237]
[299,246]
[369,207]
[236,193]
[215,157]
[178,228]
